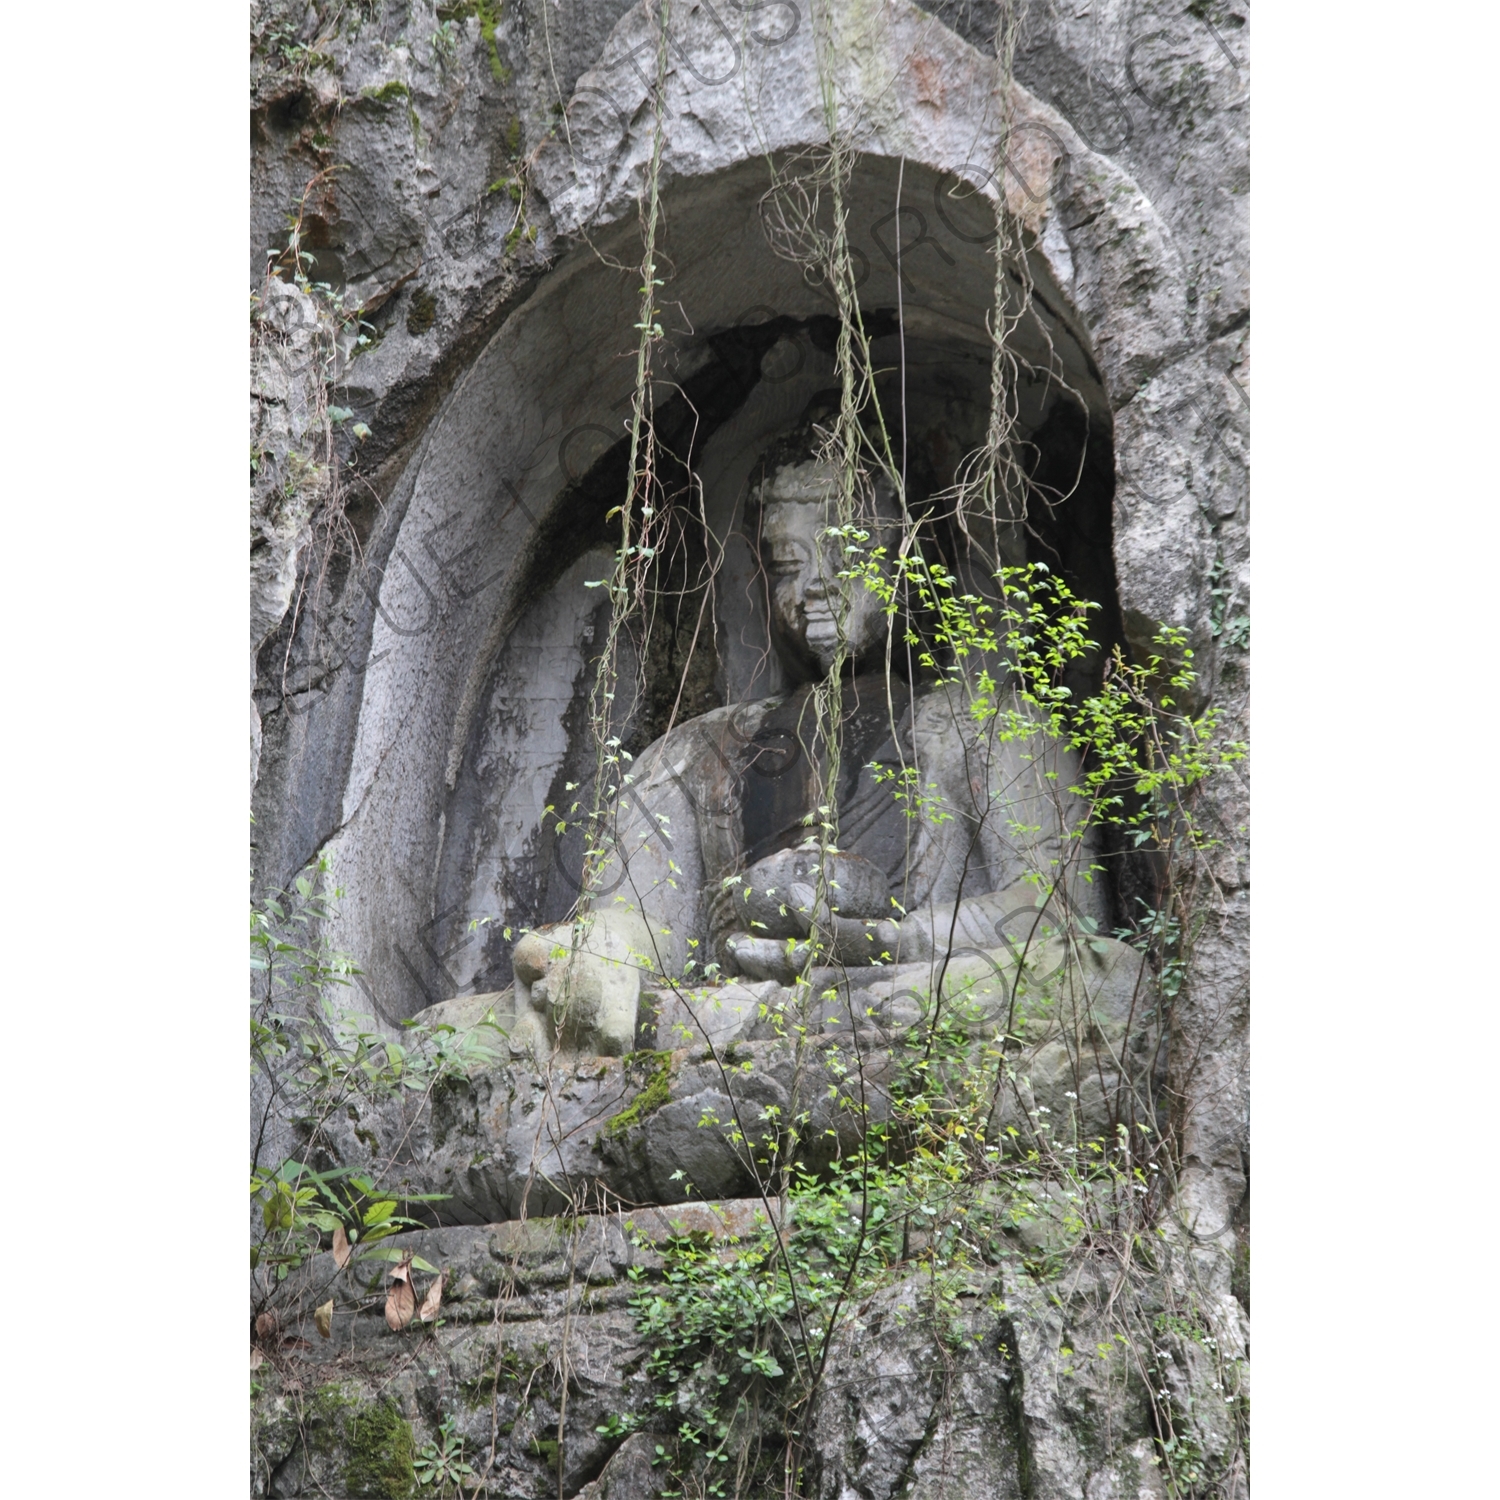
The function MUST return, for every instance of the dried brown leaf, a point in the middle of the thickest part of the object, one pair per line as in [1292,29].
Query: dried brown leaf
[401,1300]
[400,1303]
[323,1318]
[257,1357]
[341,1250]
[266,1326]
[434,1299]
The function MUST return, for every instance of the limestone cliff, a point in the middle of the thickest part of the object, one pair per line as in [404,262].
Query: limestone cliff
[444,253]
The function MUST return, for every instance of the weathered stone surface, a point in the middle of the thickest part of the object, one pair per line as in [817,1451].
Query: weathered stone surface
[513,1141]
[696,1110]
[297,350]
[468,175]
[438,644]
[1004,1385]
[629,1475]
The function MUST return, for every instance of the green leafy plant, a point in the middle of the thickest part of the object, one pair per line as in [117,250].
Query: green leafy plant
[314,1057]
[741,1324]
[440,1466]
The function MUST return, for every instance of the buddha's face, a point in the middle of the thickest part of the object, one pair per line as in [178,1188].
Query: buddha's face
[809,601]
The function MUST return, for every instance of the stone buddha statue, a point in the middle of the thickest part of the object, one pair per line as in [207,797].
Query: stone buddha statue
[717,867]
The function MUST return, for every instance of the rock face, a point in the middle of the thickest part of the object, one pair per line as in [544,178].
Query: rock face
[439,412]
[698,1103]
[997,1386]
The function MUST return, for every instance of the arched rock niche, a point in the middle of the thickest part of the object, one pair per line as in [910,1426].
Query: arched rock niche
[429,766]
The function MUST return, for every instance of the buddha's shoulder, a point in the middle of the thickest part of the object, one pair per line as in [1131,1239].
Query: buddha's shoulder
[719,730]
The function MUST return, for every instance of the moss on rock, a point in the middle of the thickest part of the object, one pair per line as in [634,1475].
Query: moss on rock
[381,1450]
[423,312]
[387,93]
[652,1097]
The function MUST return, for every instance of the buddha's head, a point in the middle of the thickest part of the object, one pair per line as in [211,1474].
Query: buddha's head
[810,602]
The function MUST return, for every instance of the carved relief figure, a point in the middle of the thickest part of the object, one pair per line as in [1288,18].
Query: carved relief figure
[714,867]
